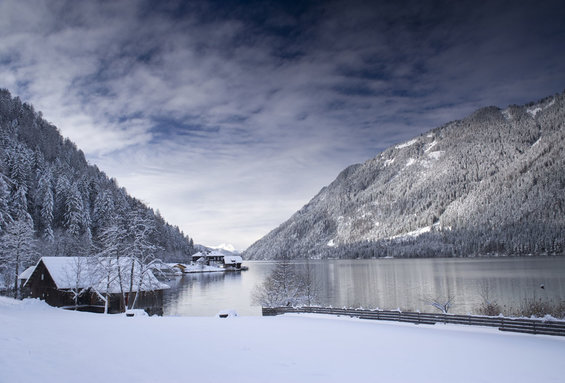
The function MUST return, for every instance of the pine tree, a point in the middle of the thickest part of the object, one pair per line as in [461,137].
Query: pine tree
[74,214]
[5,217]
[18,205]
[47,216]
[17,249]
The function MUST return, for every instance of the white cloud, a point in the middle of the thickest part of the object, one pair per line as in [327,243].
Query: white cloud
[227,127]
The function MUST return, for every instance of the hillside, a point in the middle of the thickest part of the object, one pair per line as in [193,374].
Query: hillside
[62,202]
[492,183]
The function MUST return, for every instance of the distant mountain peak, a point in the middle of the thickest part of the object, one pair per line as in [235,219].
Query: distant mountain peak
[226,247]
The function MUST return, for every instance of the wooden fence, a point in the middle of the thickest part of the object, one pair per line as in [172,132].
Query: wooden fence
[530,326]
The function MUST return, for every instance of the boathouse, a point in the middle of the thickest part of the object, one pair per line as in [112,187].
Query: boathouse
[232,261]
[84,283]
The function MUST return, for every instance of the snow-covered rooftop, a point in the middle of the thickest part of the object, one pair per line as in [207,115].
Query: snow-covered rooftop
[232,259]
[84,272]
[27,273]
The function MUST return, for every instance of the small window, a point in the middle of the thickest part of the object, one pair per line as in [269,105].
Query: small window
[42,276]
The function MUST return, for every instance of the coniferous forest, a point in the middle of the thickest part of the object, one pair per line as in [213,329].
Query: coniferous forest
[492,183]
[54,203]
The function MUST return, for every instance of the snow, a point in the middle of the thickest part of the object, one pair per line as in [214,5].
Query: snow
[506,114]
[41,343]
[331,243]
[412,234]
[435,155]
[406,144]
[389,162]
[430,146]
[62,269]
[411,161]
[226,314]
[533,112]
[67,272]
[27,273]
[232,259]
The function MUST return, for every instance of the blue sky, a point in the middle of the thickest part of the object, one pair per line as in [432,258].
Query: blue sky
[229,116]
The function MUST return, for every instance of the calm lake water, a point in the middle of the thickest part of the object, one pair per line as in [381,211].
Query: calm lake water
[382,283]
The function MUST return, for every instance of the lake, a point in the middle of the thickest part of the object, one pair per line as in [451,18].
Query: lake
[382,283]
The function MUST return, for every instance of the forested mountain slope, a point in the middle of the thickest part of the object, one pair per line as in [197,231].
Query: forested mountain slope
[492,183]
[51,196]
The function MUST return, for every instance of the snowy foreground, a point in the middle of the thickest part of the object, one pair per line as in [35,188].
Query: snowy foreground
[41,343]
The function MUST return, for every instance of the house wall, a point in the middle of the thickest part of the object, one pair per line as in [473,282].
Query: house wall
[42,286]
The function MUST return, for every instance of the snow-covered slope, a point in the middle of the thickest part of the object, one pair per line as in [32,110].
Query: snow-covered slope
[43,343]
[493,182]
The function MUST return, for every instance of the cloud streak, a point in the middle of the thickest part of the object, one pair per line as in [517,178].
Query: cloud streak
[228,117]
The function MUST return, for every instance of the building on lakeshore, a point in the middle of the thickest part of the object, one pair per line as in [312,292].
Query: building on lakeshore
[217,258]
[232,261]
[85,283]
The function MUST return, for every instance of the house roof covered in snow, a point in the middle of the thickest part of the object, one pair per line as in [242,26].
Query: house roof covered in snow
[100,273]
[232,259]
[26,273]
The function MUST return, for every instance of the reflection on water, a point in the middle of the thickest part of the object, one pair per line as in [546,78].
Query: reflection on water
[383,283]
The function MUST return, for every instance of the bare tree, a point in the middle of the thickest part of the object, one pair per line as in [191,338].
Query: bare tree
[488,305]
[309,284]
[285,287]
[78,277]
[142,254]
[113,244]
[104,278]
[441,303]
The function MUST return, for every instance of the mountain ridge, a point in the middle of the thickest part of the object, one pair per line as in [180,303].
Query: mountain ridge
[46,181]
[490,183]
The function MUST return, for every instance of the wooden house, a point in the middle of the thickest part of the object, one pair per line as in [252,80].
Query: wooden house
[22,279]
[213,257]
[232,261]
[84,283]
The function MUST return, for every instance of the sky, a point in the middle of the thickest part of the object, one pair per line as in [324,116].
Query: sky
[228,116]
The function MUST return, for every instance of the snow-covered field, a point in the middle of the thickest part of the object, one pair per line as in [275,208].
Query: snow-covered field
[41,343]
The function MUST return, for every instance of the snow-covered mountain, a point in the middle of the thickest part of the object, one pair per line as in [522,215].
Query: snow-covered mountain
[227,247]
[223,248]
[492,183]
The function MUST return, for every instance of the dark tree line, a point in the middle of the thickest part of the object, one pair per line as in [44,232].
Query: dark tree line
[53,203]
